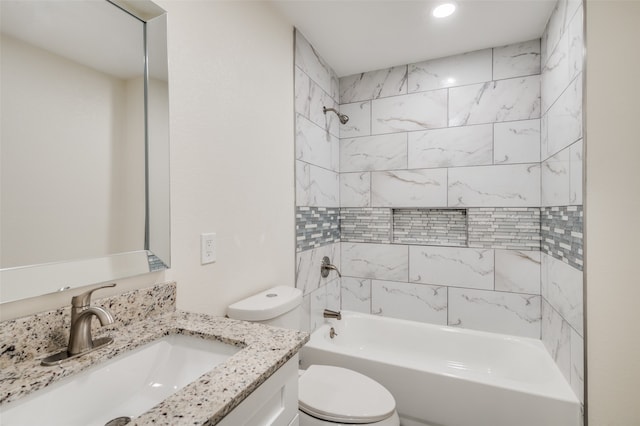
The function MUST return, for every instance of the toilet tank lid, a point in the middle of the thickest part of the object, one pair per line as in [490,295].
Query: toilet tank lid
[266,305]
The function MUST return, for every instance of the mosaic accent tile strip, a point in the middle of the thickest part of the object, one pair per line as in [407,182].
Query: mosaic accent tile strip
[365,225]
[561,230]
[516,228]
[155,263]
[434,227]
[316,227]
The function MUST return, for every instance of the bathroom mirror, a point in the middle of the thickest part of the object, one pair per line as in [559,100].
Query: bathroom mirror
[84,145]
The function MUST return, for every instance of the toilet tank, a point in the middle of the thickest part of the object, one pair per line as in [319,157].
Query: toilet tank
[279,306]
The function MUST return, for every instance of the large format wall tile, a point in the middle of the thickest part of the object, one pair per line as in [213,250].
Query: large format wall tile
[495,101]
[359,123]
[452,147]
[409,188]
[556,336]
[458,70]
[576,43]
[305,314]
[556,26]
[555,74]
[315,145]
[356,294]
[324,187]
[556,179]
[575,172]
[561,286]
[564,120]
[317,305]
[516,185]
[309,100]
[308,263]
[518,271]
[452,266]
[516,142]
[313,65]
[416,302]
[302,89]
[318,99]
[509,313]
[355,189]
[516,60]
[303,180]
[577,364]
[334,294]
[377,261]
[374,84]
[418,111]
[383,152]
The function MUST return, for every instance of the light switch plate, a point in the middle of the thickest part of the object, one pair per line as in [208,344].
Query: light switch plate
[207,248]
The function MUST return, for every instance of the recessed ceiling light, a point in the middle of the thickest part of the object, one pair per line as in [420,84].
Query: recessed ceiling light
[444,10]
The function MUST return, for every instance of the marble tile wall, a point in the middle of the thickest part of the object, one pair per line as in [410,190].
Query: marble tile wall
[484,289]
[317,180]
[561,157]
[460,132]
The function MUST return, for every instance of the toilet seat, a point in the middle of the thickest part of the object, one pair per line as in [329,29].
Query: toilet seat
[340,395]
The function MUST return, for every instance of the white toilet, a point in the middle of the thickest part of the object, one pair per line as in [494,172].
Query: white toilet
[327,395]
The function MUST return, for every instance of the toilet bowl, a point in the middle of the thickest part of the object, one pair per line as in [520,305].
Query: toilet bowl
[327,395]
[331,395]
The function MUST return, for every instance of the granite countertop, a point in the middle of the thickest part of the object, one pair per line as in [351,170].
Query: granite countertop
[206,400]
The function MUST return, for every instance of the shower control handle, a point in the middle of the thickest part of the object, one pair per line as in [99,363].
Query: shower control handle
[326,267]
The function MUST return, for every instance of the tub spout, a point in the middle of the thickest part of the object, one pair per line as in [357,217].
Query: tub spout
[328,313]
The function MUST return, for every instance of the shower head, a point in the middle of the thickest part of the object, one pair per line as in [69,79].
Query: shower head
[343,118]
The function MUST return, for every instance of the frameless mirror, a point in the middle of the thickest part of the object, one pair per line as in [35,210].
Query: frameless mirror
[84,145]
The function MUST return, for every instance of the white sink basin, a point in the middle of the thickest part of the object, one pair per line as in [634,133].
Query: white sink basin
[125,386]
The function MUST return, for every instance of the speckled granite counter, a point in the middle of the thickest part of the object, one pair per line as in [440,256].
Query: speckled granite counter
[205,401]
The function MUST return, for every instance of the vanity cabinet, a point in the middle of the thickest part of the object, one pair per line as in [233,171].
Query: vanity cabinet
[274,403]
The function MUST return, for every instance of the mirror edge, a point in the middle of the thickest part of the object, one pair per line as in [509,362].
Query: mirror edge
[62,276]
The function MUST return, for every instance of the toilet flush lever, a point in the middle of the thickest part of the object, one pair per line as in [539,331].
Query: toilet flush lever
[326,267]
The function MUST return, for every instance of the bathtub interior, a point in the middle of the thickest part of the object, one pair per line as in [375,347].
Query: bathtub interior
[445,364]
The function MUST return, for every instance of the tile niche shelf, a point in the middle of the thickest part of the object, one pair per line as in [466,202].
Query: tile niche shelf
[430,226]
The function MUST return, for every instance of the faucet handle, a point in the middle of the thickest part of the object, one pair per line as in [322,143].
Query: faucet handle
[84,299]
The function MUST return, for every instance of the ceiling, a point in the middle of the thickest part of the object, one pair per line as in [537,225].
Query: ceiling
[82,32]
[355,36]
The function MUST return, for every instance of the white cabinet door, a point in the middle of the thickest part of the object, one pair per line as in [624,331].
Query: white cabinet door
[274,403]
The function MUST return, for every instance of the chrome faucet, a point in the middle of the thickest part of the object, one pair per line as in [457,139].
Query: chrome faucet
[80,340]
[82,313]
[326,267]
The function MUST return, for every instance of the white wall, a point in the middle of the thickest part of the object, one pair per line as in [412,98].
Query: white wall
[611,212]
[232,155]
[232,172]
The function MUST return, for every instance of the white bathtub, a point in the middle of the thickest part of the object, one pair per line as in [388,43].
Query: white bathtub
[449,376]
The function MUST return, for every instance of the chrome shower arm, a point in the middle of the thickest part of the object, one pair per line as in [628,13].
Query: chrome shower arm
[342,117]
